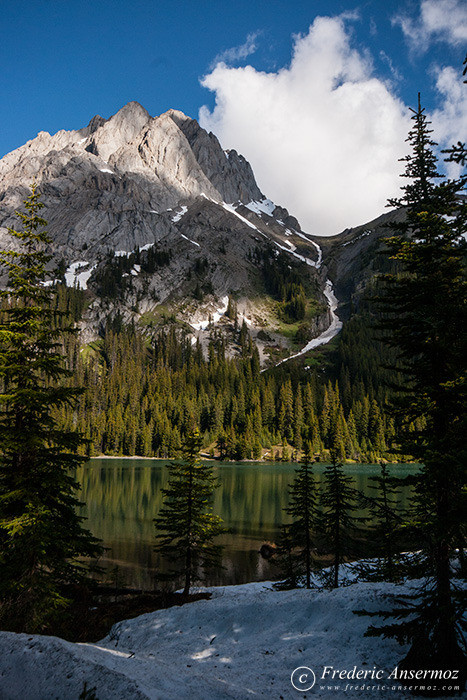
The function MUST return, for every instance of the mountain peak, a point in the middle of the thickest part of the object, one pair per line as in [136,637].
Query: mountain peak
[132,110]
[128,173]
[178,117]
[233,178]
[109,135]
[95,123]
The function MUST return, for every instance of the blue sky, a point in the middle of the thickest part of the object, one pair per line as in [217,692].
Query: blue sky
[62,62]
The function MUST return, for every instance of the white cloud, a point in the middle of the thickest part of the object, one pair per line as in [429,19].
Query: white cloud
[440,20]
[388,61]
[323,135]
[450,122]
[238,53]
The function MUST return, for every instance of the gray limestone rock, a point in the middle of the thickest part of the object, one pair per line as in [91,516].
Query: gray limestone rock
[136,182]
[112,185]
[229,172]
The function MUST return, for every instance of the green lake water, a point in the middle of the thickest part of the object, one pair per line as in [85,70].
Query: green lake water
[122,496]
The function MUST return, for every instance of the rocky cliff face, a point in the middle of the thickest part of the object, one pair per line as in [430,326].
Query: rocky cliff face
[161,194]
[112,183]
[355,256]
[229,172]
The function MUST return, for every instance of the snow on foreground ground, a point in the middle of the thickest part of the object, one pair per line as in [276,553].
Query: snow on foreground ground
[242,643]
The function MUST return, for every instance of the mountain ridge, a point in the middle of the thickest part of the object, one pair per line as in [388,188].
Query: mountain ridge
[161,188]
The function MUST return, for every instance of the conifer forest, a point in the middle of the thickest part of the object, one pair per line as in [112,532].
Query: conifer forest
[383,386]
[142,396]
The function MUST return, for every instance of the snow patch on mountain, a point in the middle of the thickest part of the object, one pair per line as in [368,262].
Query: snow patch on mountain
[189,239]
[123,253]
[180,214]
[264,206]
[78,274]
[302,258]
[333,329]
[213,317]
[231,209]
[357,238]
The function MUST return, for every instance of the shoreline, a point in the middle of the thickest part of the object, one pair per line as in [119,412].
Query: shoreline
[204,458]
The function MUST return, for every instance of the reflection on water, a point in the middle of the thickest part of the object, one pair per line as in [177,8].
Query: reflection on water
[122,497]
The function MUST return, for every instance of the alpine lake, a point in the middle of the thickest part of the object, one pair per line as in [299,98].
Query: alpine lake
[122,496]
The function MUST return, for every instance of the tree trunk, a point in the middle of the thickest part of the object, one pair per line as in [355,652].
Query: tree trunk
[307,533]
[188,554]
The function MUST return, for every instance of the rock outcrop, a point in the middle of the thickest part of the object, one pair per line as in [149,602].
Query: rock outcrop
[139,183]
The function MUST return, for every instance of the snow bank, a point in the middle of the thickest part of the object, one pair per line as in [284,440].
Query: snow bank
[181,214]
[189,239]
[244,642]
[78,274]
[37,667]
[333,329]
[213,316]
[262,206]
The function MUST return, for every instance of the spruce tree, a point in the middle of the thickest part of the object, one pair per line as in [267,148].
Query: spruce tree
[337,521]
[386,523]
[285,558]
[425,308]
[302,509]
[41,533]
[186,525]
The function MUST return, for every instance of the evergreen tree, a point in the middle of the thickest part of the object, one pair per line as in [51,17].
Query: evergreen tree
[41,535]
[286,559]
[302,509]
[337,522]
[177,386]
[186,526]
[386,524]
[425,307]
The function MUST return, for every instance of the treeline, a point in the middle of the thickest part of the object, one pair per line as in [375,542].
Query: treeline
[114,278]
[143,398]
[288,284]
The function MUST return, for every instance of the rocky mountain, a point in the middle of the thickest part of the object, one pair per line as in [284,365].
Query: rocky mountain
[159,223]
[355,256]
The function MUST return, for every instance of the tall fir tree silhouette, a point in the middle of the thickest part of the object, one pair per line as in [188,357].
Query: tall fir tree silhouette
[425,309]
[186,525]
[386,524]
[296,545]
[41,533]
[338,522]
